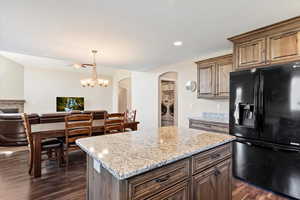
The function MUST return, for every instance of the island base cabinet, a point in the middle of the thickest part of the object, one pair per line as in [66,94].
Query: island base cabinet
[186,179]
[213,183]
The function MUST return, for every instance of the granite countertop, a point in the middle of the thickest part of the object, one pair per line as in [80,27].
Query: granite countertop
[223,121]
[128,154]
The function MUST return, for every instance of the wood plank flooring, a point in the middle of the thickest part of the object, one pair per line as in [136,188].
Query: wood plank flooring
[61,184]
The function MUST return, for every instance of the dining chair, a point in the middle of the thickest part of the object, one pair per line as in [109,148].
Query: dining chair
[130,115]
[47,145]
[76,126]
[114,122]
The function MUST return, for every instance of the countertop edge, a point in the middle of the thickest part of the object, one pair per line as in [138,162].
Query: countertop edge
[154,166]
[209,120]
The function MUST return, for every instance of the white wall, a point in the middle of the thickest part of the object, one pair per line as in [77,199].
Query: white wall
[145,93]
[145,98]
[124,88]
[119,75]
[11,79]
[42,86]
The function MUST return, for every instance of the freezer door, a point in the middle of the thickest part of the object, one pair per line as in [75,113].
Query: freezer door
[243,104]
[280,104]
[271,169]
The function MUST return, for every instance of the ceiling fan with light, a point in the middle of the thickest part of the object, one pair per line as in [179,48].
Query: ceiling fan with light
[94,80]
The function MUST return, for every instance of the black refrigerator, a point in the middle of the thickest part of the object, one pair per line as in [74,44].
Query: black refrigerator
[265,117]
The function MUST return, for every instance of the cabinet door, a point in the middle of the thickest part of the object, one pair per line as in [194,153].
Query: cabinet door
[224,180]
[205,185]
[177,192]
[223,76]
[284,47]
[206,81]
[250,54]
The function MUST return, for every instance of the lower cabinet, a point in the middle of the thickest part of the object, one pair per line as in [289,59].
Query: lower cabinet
[204,176]
[213,183]
[205,185]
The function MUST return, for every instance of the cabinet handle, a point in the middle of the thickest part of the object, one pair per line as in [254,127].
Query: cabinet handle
[214,156]
[217,172]
[162,179]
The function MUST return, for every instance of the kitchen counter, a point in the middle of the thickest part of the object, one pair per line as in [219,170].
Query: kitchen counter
[129,154]
[214,120]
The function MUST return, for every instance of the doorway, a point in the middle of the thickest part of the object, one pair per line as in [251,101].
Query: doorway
[168,99]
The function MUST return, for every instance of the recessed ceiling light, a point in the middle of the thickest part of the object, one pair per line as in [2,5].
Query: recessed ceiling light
[177,43]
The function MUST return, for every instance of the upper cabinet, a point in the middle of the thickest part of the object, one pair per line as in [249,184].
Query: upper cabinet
[251,53]
[213,77]
[284,46]
[206,80]
[277,43]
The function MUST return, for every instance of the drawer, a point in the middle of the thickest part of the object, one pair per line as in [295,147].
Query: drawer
[210,158]
[153,182]
[177,192]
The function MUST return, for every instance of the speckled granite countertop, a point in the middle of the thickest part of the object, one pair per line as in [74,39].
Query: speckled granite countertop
[223,121]
[128,154]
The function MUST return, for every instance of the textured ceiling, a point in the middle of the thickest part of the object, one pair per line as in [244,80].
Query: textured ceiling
[132,34]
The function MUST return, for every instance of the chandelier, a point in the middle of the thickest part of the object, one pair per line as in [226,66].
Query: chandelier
[94,80]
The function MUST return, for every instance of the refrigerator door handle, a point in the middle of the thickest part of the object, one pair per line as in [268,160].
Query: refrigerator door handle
[261,103]
[256,102]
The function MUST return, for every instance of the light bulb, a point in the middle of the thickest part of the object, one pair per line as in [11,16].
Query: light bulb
[77,66]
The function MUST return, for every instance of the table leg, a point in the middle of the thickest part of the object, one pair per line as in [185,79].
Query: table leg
[37,160]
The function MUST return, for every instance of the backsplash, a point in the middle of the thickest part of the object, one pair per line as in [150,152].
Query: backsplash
[211,116]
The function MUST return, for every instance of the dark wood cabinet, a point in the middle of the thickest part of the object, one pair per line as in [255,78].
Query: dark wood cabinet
[277,43]
[145,185]
[213,183]
[204,176]
[205,185]
[177,192]
[224,182]
[213,77]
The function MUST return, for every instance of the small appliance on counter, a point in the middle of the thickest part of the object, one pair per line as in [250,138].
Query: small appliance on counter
[265,117]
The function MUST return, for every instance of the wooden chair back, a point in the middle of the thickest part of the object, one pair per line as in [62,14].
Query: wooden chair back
[27,128]
[77,126]
[130,115]
[114,122]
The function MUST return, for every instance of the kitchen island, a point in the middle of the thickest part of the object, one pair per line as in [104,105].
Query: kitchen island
[163,163]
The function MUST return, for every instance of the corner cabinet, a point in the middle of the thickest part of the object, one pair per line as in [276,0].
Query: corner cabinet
[277,43]
[213,77]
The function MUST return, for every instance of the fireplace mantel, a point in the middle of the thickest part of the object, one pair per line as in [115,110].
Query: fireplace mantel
[12,103]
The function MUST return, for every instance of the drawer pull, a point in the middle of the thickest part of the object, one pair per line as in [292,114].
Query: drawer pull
[217,172]
[162,179]
[214,156]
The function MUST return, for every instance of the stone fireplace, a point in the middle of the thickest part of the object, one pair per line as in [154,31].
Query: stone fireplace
[11,106]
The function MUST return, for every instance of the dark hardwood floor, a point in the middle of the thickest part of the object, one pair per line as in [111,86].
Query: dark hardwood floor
[61,184]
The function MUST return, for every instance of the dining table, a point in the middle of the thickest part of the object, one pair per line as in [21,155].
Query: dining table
[57,130]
